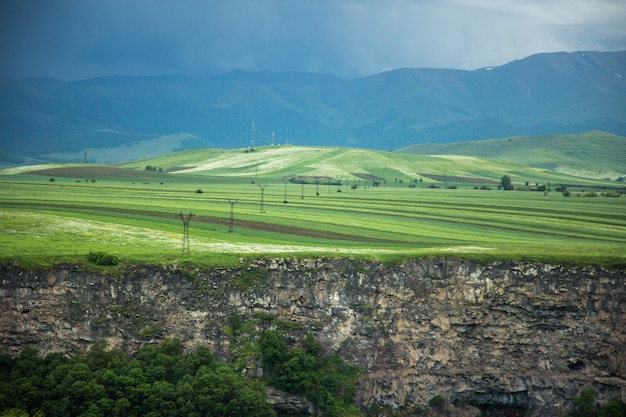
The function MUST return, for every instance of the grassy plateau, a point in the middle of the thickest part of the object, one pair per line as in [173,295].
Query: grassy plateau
[307,201]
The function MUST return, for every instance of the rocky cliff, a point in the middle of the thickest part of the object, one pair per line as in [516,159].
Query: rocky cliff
[508,334]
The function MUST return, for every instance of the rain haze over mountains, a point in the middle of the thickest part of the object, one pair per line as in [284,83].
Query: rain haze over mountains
[354,73]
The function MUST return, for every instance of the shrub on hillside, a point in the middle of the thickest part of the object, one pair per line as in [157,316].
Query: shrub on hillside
[437,401]
[613,409]
[102,259]
[325,380]
[584,404]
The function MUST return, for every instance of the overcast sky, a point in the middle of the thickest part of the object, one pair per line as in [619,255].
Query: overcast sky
[77,39]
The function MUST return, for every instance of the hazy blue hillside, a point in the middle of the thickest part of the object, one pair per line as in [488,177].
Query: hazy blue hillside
[542,94]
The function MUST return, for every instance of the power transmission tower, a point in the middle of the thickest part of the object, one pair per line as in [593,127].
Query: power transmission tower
[85,156]
[232,210]
[262,187]
[185,218]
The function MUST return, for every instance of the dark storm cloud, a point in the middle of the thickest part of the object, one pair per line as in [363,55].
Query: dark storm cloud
[73,39]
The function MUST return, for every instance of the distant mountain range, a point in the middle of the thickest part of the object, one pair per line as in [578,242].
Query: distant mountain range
[542,94]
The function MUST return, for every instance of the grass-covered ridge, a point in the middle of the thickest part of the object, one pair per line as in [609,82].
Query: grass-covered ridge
[523,161]
[316,201]
[592,154]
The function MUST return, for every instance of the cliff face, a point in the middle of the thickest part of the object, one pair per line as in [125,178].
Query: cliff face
[511,334]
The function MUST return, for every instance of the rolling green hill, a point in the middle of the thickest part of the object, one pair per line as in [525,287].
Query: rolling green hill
[590,155]
[349,164]
[591,158]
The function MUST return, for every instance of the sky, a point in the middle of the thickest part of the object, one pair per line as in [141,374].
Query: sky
[79,39]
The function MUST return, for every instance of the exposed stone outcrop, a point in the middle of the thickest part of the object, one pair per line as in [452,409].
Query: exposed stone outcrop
[513,334]
[286,403]
[449,410]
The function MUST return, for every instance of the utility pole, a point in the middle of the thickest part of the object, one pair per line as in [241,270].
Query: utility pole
[285,198]
[232,209]
[262,187]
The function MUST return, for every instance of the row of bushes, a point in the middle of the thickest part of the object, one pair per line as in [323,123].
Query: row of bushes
[87,180]
[613,194]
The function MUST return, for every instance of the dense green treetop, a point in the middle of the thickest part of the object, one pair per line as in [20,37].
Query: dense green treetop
[158,381]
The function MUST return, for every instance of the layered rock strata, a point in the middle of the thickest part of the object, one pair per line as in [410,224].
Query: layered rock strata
[509,334]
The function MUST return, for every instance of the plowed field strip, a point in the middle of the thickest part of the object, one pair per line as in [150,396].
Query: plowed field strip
[245,224]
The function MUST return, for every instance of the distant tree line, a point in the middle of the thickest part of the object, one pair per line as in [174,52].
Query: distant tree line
[153,168]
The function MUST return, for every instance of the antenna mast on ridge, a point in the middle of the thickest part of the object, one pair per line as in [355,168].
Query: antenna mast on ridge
[252,135]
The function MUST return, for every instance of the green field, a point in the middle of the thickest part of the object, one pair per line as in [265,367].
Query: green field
[133,213]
